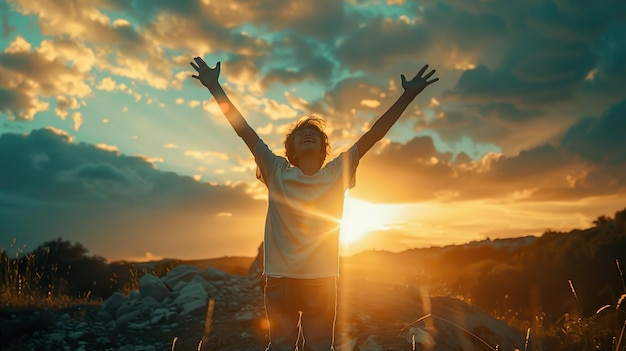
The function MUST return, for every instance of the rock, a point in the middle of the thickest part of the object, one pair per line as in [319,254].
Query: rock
[193,306]
[122,321]
[102,340]
[113,303]
[151,286]
[215,274]
[105,316]
[157,319]
[57,337]
[487,328]
[144,325]
[245,316]
[148,305]
[125,309]
[170,317]
[65,317]
[199,279]
[190,292]
[76,335]
[180,273]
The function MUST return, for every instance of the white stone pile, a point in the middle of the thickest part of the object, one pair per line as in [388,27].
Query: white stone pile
[162,306]
[185,290]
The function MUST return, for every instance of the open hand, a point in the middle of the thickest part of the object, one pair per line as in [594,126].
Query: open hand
[419,82]
[206,75]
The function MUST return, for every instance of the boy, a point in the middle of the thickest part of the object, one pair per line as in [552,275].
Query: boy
[301,243]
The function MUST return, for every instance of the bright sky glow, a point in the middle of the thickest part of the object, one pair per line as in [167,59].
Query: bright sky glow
[361,218]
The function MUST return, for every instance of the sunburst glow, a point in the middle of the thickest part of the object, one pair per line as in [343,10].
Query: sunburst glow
[362,217]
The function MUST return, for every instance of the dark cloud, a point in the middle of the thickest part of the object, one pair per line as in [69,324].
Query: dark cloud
[315,18]
[423,34]
[297,59]
[554,59]
[314,69]
[51,186]
[589,161]
[320,19]
[483,85]
[47,165]
[145,10]
[474,30]
[380,43]
[610,50]
[600,139]
[14,102]
[530,167]
[508,112]
[501,124]
[462,158]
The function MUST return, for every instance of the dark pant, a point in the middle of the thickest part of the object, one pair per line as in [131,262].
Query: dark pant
[301,307]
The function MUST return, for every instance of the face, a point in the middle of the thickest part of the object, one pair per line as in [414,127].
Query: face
[307,140]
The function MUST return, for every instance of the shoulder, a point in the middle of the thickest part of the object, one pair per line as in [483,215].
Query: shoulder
[267,161]
[348,158]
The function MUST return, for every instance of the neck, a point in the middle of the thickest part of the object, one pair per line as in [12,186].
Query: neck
[309,165]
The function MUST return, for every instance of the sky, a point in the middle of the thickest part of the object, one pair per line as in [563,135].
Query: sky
[106,140]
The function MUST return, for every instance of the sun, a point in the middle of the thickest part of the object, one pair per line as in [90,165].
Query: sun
[360,218]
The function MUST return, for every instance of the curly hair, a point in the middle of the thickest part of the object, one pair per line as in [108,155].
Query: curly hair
[315,123]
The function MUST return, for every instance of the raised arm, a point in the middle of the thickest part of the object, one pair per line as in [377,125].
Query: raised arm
[389,118]
[209,78]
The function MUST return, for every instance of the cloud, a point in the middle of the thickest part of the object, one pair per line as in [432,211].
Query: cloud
[206,156]
[20,105]
[589,161]
[63,104]
[121,48]
[77,117]
[382,42]
[298,59]
[29,76]
[108,84]
[341,104]
[600,140]
[83,192]
[277,110]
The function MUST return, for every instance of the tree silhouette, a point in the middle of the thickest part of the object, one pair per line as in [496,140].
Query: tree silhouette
[65,268]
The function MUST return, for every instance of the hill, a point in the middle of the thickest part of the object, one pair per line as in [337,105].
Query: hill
[520,279]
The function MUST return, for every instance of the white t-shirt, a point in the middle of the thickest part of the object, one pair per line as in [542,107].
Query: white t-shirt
[304,213]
